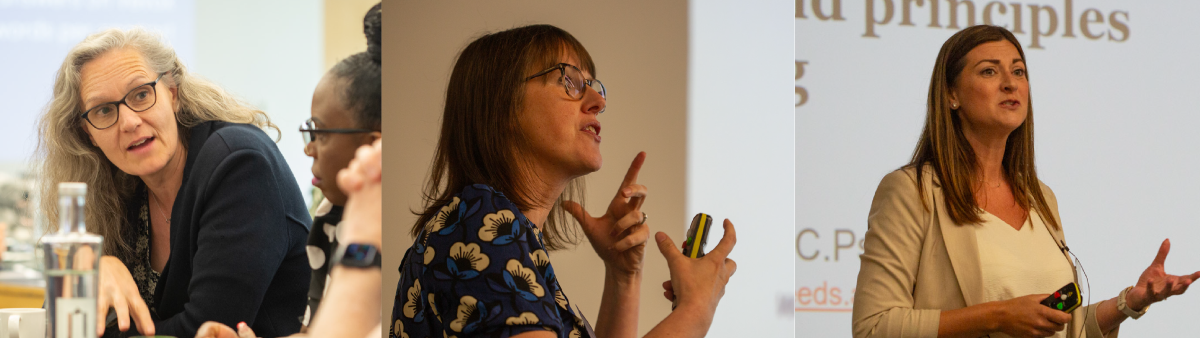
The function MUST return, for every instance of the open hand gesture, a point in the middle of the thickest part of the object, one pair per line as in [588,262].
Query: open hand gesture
[1155,285]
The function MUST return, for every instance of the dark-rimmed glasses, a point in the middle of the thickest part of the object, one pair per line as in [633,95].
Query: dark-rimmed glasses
[309,129]
[573,81]
[138,100]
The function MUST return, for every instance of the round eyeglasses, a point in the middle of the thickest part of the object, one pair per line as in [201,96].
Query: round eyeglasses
[573,81]
[138,100]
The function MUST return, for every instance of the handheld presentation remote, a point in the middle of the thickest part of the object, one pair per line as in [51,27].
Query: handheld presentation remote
[1065,299]
[697,236]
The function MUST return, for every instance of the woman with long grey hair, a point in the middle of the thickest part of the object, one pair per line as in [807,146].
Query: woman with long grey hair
[201,217]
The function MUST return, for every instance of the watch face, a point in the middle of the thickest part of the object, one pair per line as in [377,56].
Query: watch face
[361,255]
[359,252]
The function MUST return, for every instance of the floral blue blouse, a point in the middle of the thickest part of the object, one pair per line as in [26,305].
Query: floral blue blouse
[480,268]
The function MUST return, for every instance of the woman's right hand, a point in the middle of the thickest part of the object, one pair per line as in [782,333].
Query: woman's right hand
[1027,317]
[619,236]
[118,291]
[699,282]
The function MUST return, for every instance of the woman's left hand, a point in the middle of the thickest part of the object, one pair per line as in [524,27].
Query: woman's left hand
[619,236]
[1155,285]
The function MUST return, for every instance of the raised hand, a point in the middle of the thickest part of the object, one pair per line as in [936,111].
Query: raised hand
[619,236]
[1155,285]
[699,283]
[362,182]
[365,168]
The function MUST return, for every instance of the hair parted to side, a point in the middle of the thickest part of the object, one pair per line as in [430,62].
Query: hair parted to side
[481,139]
[944,148]
[362,74]
[65,154]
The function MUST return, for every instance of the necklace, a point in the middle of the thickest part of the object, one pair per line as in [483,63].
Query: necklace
[160,206]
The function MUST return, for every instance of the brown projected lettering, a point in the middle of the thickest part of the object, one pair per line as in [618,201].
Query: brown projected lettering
[1120,26]
[801,93]
[824,10]
[1040,20]
[970,7]
[809,244]
[888,11]
[1035,18]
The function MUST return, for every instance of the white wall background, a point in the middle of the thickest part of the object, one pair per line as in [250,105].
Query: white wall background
[271,54]
[1114,128]
[741,157]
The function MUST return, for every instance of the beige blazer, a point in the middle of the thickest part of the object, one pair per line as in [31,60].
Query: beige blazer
[917,262]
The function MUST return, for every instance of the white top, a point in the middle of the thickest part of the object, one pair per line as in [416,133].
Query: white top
[1018,263]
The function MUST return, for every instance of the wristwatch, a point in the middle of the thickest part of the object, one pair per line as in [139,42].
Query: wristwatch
[358,255]
[1124,308]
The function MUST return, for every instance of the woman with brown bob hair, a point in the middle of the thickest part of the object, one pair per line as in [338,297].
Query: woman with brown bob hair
[965,241]
[519,130]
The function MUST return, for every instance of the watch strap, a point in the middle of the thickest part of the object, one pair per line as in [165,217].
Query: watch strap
[1123,305]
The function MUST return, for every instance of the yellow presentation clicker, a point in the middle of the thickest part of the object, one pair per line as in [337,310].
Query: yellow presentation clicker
[693,245]
[697,236]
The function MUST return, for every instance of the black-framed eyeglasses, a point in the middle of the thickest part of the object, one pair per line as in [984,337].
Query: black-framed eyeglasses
[138,100]
[573,81]
[309,129]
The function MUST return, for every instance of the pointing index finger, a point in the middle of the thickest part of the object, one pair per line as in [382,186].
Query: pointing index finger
[1162,252]
[634,168]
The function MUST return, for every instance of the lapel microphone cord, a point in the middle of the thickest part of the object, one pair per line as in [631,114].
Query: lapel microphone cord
[1088,281]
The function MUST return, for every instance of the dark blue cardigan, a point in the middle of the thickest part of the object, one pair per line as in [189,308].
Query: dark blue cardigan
[238,230]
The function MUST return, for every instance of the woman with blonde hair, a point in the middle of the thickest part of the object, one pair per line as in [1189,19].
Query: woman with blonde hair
[965,241]
[201,217]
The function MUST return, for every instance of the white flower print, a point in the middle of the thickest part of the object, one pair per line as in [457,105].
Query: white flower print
[540,259]
[526,318]
[411,306]
[524,278]
[469,256]
[500,228]
[429,253]
[467,308]
[433,306]
[561,299]
[398,330]
[449,213]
